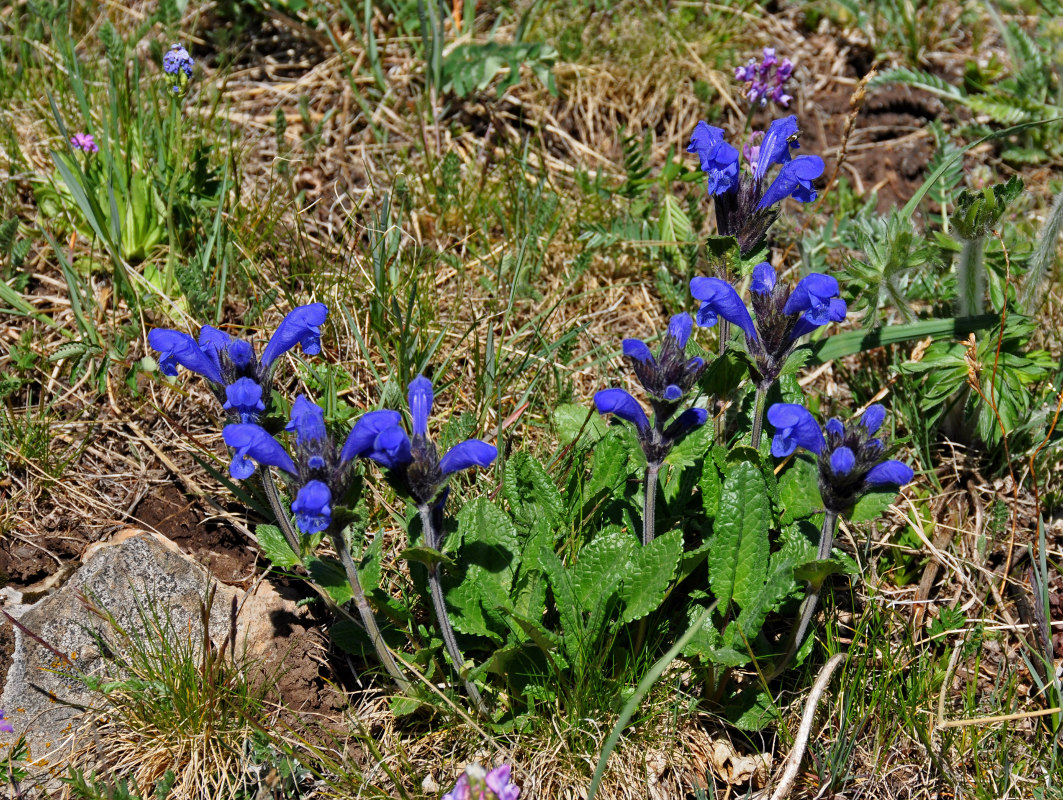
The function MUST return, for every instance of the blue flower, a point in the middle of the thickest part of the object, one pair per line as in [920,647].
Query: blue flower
[252,443]
[776,144]
[623,405]
[794,180]
[307,421]
[763,278]
[362,439]
[177,60]
[850,458]
[225,361]
[719,299]
[413,463]
[719,160]
[311,507]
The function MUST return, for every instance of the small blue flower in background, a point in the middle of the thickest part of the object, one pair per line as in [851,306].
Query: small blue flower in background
[317,473]
[178,64]
[851,456]
[475,783]
[667,379]
[746,205]
[782,316]
[413,463]
[239,380]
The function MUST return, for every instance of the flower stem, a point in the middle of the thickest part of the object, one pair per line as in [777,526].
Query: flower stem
[970,278]
[283,520]
[385,656]
[808,607]
[649,515]
[758,416]
[438,602]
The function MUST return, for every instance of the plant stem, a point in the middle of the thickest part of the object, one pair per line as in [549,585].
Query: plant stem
[808,607]
[649,515]
[438,602]
[970,278]
[758,416]
[385,656]
[283,520]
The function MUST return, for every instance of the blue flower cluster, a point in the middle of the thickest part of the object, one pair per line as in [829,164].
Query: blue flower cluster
[746,205]
[851,456]
[667,379]
[240,380]
[178,64]
[782,316]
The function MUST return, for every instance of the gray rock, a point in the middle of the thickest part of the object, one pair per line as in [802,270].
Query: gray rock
[141,576]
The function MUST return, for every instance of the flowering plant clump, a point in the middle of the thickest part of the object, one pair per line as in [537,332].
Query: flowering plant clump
[851,459]
[781,315]
[477,784]
[84,142]
[178,64]
[766,80]
[746,204]
[239,379]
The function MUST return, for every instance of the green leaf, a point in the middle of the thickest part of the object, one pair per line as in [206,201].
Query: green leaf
[610,467]
[275,546]
[711,487]
[852,342]
[579,422]
[426,555]
[770,594]
[799,489]
[565,600]
[530,491]
[691,448]
[369,566]
[872,506]
[646,583]
[815,572]
[329,575]
[674,225]
[738,555]
[753,714]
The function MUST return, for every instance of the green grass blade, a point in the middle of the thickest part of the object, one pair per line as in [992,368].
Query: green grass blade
[847,344]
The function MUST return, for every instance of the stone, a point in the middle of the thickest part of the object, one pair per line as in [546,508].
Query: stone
[138,576]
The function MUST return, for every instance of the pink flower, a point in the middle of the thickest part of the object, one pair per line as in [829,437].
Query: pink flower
[84,142]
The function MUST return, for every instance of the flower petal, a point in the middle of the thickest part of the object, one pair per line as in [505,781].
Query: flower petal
[834,425]
[842,460]
[890,473]
[763,278]
[177,347]
[679,328]
[836,311]
[420,398]
[307,421]
[362,436]
[873,418]
[253,443]
[244,396]
[638,350]
[301,326]
[470,453]
[720,298]
[776,144]
[719,160]
[312,509]
[391,448]
[813,292]
[212,341]
[795,427]
[794,180]
[623,405]
[497,781]
[686,422]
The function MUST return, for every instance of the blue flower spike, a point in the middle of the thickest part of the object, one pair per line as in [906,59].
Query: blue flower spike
[229,364]
[850,458]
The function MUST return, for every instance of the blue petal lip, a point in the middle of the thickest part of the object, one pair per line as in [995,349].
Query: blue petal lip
[312,507]
[391,448]
[796,427]
[719,160]
[835,312]
[470,453]
[362,436]
[253,443]
[686,422]
[834,425]
[307,420]
[177,347]
[763,278]
[842,460]
[890,473]
[245,397]
[212,341]
[623,405]
[301,326]
[420,399]
[775,146]
[638,350]
[720,298]
[815,290]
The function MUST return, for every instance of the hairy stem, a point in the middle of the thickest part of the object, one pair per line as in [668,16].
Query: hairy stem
[649,507]
[808,607]
[970,278]
[758,416]
[385,656]
[438,602]
[284,522]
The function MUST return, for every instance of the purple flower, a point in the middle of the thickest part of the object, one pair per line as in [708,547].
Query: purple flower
[719,160]
[477,784]
[177,60]
[6,727]
[766,79]
[850,459]
[413,461]
[227,362]
[311,507]
[794,180]
[84,142]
